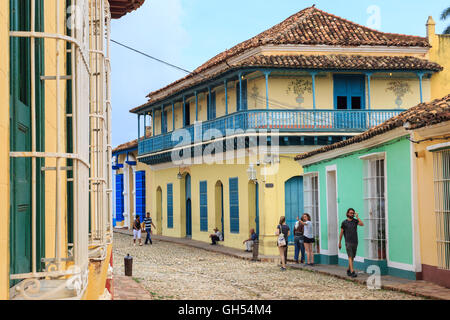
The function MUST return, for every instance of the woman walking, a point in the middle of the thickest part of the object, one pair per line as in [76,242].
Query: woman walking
[308,237]
[282,242]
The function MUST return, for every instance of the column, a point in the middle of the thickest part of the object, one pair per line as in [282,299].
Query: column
[173,116]
[313,75]
[267,73]
[369,74]
[226,96]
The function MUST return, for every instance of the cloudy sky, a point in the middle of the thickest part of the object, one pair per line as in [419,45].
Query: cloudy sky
[189,32]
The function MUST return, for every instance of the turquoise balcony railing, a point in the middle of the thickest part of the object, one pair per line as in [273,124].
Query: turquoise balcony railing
[345,121]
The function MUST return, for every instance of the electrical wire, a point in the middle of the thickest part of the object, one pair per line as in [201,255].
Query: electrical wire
[151,57]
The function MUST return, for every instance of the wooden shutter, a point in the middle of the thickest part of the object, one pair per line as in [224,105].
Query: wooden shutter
[140,194]
[119,198]
[234,205]
[203,206]
[170,206]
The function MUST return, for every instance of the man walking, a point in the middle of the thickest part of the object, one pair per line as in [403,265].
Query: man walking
[148,222]
[349,231]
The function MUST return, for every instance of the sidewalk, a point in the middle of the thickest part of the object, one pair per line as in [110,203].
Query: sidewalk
[125,288]
[416,288]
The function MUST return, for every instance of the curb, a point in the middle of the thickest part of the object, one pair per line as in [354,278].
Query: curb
[274,259]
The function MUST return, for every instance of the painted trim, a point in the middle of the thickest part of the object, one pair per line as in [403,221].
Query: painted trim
[374,156]
[415,210]
[366,144]
[438,147]
[332,168]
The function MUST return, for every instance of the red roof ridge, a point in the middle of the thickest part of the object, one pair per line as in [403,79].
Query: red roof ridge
[370,29]
[330,35]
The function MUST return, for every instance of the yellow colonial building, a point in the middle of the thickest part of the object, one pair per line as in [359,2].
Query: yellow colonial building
[431,182]
[221,149]
[56,182]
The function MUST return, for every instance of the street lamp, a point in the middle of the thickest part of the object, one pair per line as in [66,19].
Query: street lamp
[251,172]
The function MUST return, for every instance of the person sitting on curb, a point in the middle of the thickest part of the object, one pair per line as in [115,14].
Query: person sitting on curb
[216,236]
[250,241]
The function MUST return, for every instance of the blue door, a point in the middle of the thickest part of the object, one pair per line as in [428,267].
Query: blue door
[349,94]
[244,96]
[140,194]
[211,107]
[164,122]
[188,206]
[293,189]
[119,198]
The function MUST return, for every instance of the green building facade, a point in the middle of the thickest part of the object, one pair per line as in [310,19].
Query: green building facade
[375,180]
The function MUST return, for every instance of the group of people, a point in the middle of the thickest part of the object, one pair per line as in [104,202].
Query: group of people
[304,239]
[139,226]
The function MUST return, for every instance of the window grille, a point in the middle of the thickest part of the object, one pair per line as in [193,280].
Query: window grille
[442,206]
[99,133]
[374,206]
[51,161]
[311,205]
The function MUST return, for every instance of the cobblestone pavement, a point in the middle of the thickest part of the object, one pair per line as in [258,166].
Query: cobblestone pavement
[170,272]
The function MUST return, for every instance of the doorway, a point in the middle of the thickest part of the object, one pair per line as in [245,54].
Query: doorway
[188,206]
[159,211]
[332,212]
[219,214]
[293,189]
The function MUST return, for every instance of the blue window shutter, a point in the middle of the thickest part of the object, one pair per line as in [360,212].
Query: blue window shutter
[234,205]
[169,206]
[119,197]
[203,206]
[244,95]
[140,194]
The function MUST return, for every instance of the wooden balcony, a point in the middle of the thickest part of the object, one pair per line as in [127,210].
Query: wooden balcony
[332,121]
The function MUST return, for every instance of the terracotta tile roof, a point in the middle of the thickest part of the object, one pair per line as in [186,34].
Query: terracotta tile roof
[316,62]
[119,8]
[310,26]
[348,62]
[126,146]
[422,115]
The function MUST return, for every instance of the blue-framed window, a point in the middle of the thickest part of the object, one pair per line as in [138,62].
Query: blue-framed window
[349,92]
[211,107]
[140,194]
[203,206]
[234,205]
[119,198]
[244,96]
[170,206]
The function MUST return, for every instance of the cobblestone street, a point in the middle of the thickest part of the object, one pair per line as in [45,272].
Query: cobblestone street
[171,271]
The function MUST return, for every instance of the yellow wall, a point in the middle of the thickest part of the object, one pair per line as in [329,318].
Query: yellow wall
[51,131]
[440,53]
[271,203]
[280,98]
[426,202]
[4,149]
[98,272]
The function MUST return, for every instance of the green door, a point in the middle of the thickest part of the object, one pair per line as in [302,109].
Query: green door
[20,141]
